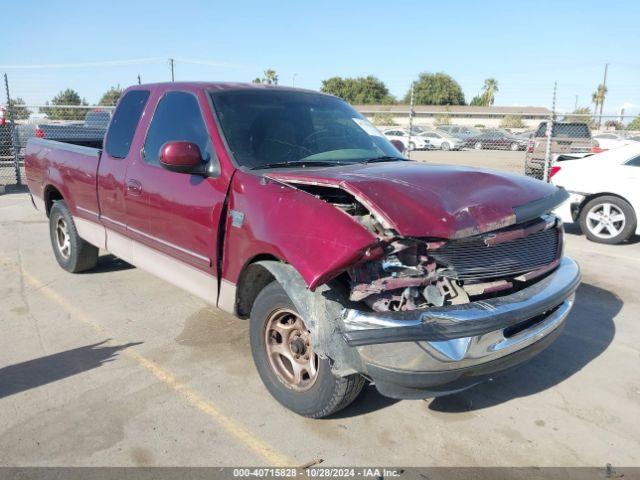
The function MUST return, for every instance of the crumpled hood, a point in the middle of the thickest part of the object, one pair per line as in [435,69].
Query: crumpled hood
[429,200]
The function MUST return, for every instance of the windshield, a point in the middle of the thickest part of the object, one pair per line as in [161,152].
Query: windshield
[269,127]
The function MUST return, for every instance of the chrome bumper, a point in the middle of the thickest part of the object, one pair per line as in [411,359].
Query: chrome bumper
[441,339]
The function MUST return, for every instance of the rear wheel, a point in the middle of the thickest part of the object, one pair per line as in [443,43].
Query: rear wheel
[283,354]
[72,252]
[608,219]
[478,146]
[514,147]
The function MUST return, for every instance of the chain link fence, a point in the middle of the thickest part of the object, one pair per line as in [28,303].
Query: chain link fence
[535,139]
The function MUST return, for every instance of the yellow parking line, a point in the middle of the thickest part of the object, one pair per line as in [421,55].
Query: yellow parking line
[231,426]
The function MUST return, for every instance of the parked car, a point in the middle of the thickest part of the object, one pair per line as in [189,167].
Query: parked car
[409,142]
[608,141]
[289,208]
[495,140]
[23,132]
[604,193]
[569,140]
[5,134]
[89,133]
[442,140]
[526,135]
[460,132]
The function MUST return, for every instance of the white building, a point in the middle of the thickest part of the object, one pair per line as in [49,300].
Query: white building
[428,115]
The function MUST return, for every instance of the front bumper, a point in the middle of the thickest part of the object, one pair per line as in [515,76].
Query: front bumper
[439,350]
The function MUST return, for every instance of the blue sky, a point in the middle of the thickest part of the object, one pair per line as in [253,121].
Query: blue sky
[525,45]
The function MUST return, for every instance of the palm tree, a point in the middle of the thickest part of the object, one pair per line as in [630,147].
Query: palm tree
[489,91]
[598,99]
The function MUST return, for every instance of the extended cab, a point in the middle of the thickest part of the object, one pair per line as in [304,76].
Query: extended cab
[287,207]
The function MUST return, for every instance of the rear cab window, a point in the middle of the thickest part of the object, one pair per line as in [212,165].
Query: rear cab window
[124,123]
[565,130]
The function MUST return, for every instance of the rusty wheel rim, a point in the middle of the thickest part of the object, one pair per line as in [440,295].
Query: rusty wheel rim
[289,350]
[63,239]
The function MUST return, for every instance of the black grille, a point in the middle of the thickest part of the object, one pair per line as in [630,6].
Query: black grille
[472,259]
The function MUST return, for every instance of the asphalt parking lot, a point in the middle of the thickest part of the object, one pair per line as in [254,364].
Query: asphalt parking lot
[116,367]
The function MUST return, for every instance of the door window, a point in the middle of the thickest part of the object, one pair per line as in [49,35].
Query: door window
[177,118]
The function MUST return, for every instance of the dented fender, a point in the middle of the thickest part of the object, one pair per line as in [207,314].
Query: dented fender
[266,217]
[321,311]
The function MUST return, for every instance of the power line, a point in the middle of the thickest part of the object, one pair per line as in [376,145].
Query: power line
[105,63]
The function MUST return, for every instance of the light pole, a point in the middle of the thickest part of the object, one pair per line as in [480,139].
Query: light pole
[293,83]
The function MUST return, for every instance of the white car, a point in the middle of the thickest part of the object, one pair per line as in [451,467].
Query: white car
[604,193]
[442,140]
[609,141]
[409,142]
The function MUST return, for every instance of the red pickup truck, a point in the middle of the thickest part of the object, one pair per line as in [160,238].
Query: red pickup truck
[287,207]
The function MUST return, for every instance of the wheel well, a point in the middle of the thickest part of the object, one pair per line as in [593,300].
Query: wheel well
[588,198]
[51,194]
[253,279]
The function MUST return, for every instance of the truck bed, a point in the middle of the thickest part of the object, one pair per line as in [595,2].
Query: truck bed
[74,167]
[77,134]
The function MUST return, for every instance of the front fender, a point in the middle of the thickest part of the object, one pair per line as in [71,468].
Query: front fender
[265,217]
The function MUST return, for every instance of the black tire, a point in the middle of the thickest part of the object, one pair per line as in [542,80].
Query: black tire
[79,255]
[445,146]
[627,230]
[478,146]
[327,395]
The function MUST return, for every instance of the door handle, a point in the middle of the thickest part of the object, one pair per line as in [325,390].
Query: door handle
[134,187]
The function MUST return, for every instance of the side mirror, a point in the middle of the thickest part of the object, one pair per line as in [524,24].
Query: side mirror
[182,157]
[398,144]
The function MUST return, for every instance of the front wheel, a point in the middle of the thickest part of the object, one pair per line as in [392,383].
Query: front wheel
[72,252]
[283,354]
[478,146]
[445,146]
[514,147]
[608,219]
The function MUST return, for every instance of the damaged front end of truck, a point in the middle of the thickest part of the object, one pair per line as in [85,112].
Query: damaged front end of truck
[425,315]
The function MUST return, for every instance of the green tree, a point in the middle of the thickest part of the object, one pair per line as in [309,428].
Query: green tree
[635,124]
[512,121]
[436,89]
[270,77]
[442,118]
[598,97]
[580,115]
[110,97]
[614,125]
[489,90]
[487,95]
[20,112]
[360,90]
[68,97]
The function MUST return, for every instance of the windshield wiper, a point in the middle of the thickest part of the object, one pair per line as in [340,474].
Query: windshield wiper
[298,163]
[383,158]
